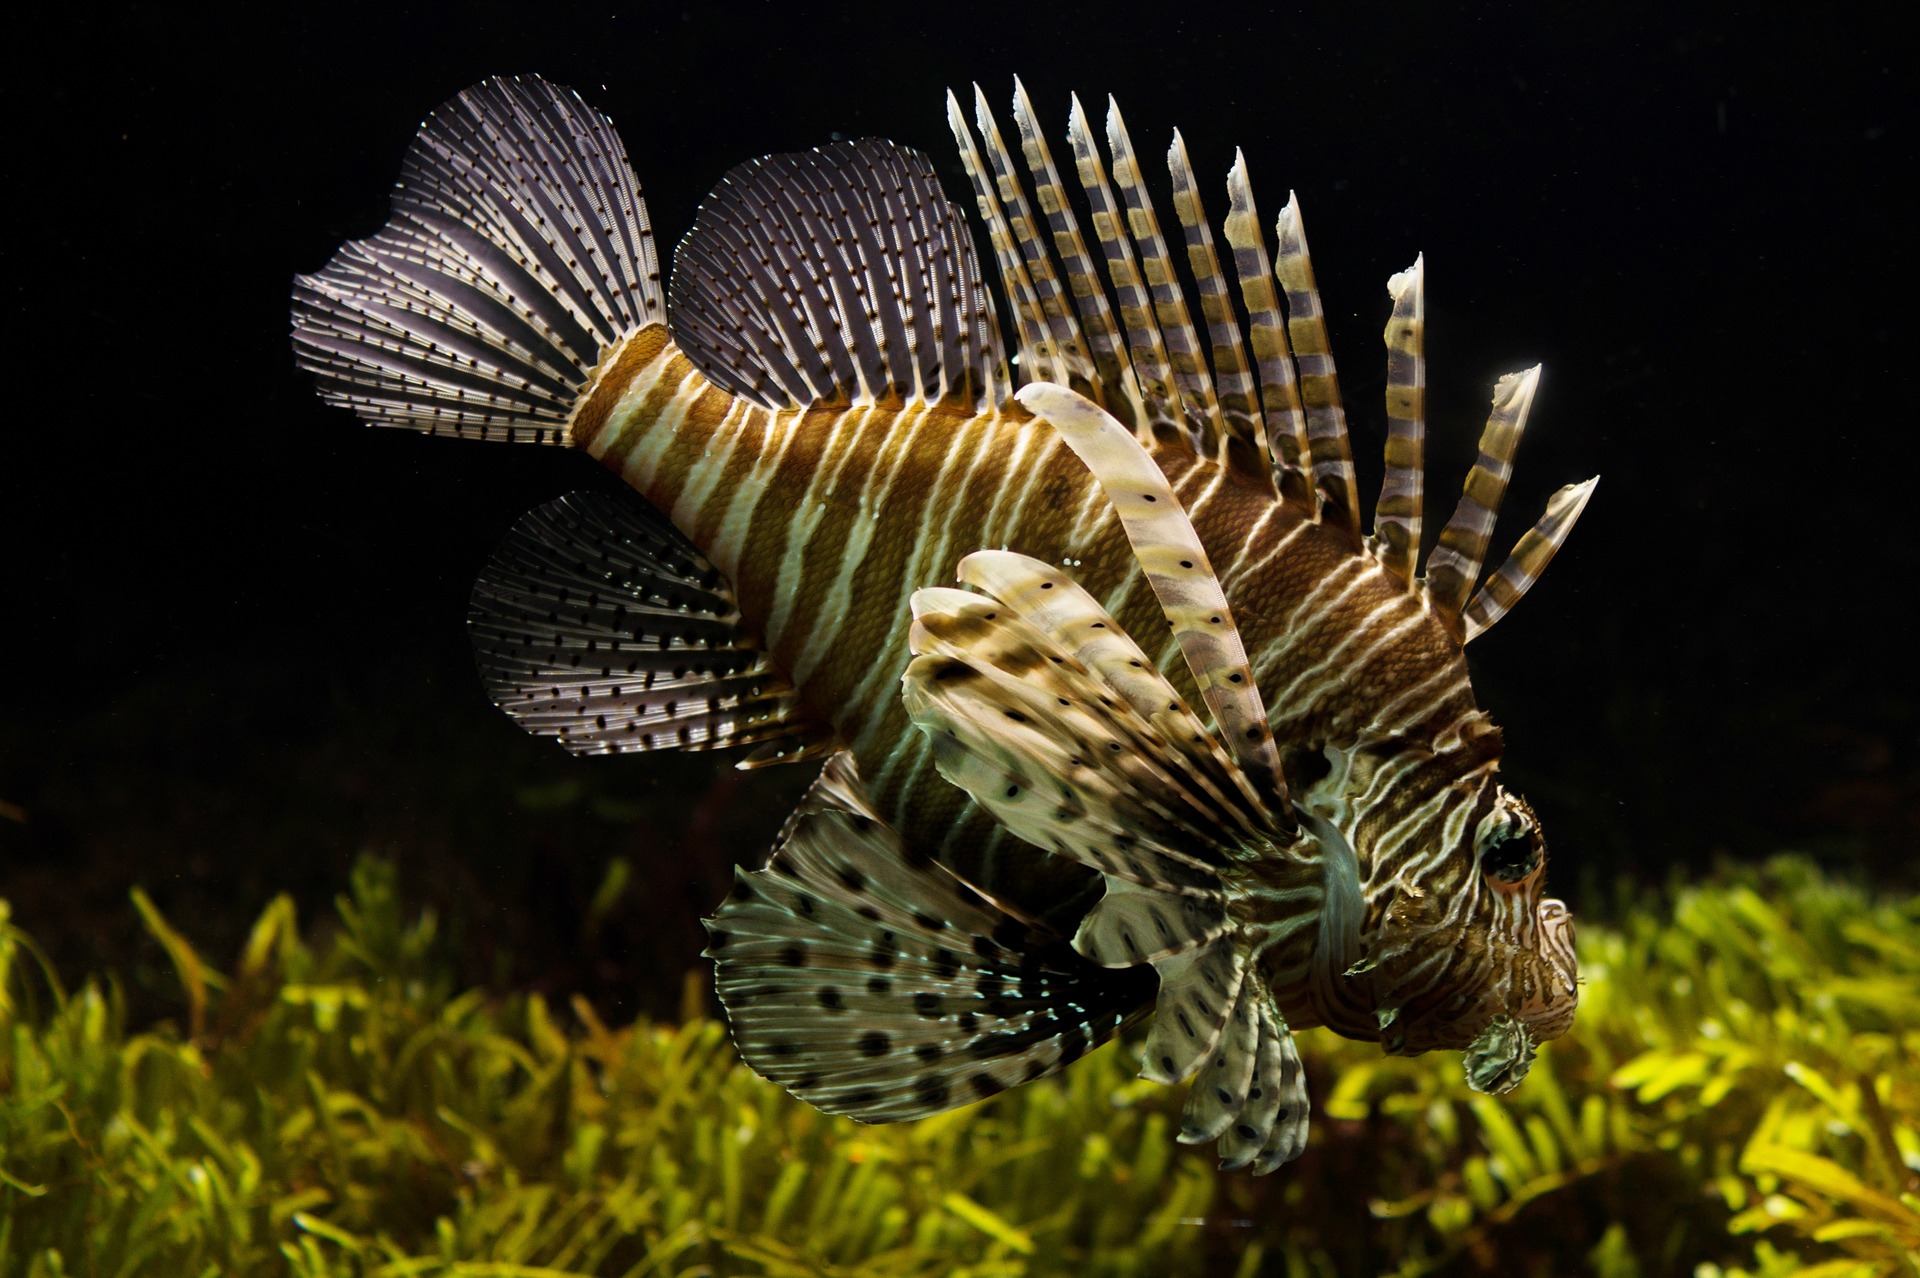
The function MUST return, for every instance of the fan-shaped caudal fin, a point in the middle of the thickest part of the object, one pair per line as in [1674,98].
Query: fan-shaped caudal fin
[1175,563]
[518,253]
[1396,516]
[1528,560]
[1244,441]
[1455,564]
[1201,410]
[1286,420]
[1319,385]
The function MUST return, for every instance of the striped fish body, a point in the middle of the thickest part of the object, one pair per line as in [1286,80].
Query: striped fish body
[1188,742]
[825,520]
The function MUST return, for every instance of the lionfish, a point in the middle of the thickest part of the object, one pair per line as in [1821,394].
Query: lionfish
[1187,741]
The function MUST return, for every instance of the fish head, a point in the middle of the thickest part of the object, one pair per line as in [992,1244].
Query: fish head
[1462,948]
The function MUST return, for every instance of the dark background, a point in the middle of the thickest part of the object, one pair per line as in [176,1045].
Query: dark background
[234,651]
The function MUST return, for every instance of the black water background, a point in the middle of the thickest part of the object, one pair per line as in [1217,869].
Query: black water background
[233,643]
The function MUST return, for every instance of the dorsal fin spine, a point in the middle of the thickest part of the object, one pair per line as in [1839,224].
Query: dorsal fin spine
[1528,560]
[1028,319]
[1286,420]
[1149,352]
[1234,380]
[1070,357]
[1198,406]
[1456,561]
[1319,384]
[1103,339]
[1397,515]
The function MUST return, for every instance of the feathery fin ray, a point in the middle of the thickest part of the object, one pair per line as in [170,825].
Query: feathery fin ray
[598,624]
[517,253]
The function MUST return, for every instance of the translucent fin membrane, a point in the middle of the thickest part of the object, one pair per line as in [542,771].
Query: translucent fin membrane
[518,251]
[837,275]
[596,623]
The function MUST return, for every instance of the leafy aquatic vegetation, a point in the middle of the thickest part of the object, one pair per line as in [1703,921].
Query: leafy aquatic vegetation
[1740,1096]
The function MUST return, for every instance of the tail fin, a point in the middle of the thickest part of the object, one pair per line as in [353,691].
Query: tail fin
[518,252]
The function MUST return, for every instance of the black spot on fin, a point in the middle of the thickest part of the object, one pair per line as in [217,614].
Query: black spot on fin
[972,1002]
[836,275]
[598,624]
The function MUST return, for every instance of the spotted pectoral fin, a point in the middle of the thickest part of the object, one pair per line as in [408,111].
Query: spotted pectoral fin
[1269,1126]
[1131,925]
[1176,564]
[881,987]
[1215,1022]
[1064,759]
[598,624]
[1197,992]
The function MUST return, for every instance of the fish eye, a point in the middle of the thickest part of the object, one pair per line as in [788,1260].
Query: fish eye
[1510,845]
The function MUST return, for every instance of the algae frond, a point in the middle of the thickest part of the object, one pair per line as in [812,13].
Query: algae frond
[1740,1096]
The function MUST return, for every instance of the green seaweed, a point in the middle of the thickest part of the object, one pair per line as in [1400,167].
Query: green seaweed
[1740,1096]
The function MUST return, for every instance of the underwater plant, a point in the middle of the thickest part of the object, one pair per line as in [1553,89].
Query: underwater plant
[1740,1096]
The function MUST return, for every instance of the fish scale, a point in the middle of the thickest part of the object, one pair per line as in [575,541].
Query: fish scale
[822,406]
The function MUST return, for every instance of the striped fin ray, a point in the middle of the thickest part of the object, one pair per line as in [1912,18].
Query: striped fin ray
[996,378]
[1286,420]
[518,251]
[1103,339]
[1039,355]
[1190,374]
[1396,516]
[1151,366]
[1332,455]
[836,275]
[1071,353]
[597,624]
[1244,439]
[874,984]
[1050,601]
[1528,560]
[1454,566]
[1062,762]
[1176,565]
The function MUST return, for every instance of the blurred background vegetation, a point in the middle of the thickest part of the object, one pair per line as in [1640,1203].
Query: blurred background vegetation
[1740,1096]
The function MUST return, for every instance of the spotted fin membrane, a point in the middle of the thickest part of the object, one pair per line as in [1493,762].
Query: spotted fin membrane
[875,984]
[1041,707]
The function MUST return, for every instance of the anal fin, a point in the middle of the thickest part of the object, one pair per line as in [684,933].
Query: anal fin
[598,624]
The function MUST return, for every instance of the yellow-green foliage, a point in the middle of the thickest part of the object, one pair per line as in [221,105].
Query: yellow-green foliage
[1740,1095]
